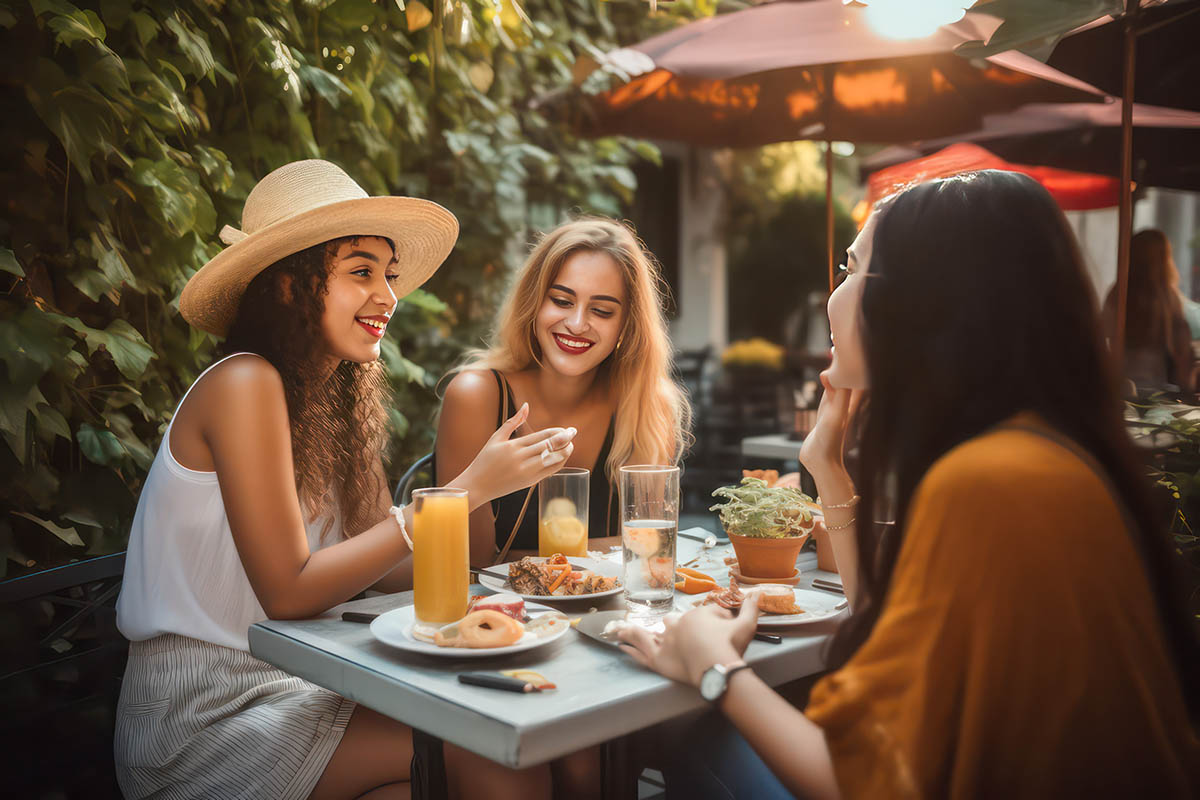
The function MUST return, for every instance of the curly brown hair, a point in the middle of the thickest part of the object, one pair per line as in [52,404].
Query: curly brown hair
[338,423]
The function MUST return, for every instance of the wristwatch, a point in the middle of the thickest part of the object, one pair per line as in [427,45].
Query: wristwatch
[715,679]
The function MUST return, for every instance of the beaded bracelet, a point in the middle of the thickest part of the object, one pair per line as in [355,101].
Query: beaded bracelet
[843,526]
[397,513]
[851,503]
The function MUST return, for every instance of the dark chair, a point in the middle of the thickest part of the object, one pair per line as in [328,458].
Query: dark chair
[409,479]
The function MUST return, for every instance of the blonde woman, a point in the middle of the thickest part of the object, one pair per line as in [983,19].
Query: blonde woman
[582,340]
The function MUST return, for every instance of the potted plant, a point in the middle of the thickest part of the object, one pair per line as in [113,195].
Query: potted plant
[766,524]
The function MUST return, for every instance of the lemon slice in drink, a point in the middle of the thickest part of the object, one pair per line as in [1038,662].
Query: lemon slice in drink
[563,534]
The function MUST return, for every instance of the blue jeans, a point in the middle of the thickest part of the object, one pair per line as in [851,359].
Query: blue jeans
[711,760]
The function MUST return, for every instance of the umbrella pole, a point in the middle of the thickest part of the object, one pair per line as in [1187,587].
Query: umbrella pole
[1125,220]
[829,211]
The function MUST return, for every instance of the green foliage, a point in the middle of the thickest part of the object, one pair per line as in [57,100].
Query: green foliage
[135,130]
[764,512]
[1168,433]
[1036,26]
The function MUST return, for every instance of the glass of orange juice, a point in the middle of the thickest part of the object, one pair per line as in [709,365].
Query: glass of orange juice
[441,564]
[563,512]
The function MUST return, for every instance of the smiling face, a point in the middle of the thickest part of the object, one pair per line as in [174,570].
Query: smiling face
[359,298]
[849,367]
[582,314]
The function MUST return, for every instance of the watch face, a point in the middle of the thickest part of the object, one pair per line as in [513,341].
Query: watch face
[712,684]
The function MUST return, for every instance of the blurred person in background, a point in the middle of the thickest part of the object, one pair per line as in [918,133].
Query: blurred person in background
[1158,339]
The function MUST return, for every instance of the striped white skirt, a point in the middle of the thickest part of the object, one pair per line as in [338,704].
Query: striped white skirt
[197,720]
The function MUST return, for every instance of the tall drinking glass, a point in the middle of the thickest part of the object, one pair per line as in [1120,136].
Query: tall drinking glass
[649,522]
[563,512]
[441,568]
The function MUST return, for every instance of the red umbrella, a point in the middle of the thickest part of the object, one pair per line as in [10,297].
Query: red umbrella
[1074,191]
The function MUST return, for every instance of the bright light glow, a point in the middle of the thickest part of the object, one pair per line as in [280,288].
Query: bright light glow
[911,19]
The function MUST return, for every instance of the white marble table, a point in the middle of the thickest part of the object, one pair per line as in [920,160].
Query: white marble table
[601,695]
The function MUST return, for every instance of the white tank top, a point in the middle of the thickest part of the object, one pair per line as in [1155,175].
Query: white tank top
[182,570]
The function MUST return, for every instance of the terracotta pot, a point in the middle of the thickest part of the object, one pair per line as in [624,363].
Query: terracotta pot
[767,558]
[825,559]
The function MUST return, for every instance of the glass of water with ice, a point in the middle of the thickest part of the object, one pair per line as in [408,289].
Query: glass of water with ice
[649,521]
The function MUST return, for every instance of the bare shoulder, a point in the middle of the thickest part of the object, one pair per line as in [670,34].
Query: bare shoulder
[238,378]
[472,391]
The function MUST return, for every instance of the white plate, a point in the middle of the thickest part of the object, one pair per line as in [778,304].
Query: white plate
[817,606]
[605,569]
[395,628]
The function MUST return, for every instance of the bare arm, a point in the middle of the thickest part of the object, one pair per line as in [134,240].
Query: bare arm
[467,420]
[823,456]
[247,432]
[246,429]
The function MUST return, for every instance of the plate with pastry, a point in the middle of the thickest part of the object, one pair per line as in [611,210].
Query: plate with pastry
[779,605]
[494,625]
[554,578]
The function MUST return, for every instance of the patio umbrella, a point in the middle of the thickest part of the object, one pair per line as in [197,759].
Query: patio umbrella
[814,69]
[1167,62]
[1079,136]
[1073,191]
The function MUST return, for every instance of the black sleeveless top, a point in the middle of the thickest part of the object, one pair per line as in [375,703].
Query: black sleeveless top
[603,516]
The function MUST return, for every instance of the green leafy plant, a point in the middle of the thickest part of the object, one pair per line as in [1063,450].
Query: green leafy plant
[1169,433]
[133,131]
[766,512]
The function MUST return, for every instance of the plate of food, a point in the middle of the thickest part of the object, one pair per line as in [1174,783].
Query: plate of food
[494,625]
[555,578]
[779,606]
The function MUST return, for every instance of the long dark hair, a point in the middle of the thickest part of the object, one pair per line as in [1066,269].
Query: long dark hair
[338,422]
[1154,302]
[977,307]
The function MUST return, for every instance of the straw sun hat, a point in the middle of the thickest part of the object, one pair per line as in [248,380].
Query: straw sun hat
[303,204]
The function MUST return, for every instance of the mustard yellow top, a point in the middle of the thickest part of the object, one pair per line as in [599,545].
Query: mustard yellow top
[1018,653]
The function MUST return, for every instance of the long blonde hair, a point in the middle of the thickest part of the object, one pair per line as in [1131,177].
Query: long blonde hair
[653,417]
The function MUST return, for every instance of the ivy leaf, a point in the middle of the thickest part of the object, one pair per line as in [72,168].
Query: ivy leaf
[68,535]
[328,86]
[52,423]
[127,347]
[99,446]
[8,263]
[426,301]
[78,116]
[145,26]
[34,344]
[193,44]
[216,166]
[351,13]
[180,200]
[398,422]
[78,26]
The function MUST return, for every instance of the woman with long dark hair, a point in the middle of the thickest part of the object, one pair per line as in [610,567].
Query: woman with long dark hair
[1158,341]
[1016,629]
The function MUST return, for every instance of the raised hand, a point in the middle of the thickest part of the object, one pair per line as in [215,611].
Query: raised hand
[505,465]
[822,453]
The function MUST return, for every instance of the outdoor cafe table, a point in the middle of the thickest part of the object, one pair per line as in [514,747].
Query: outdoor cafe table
[602,694]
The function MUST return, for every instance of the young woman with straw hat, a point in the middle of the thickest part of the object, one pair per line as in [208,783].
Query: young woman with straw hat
[267,499]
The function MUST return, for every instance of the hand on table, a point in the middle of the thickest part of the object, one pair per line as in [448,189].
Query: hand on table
[694,642]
